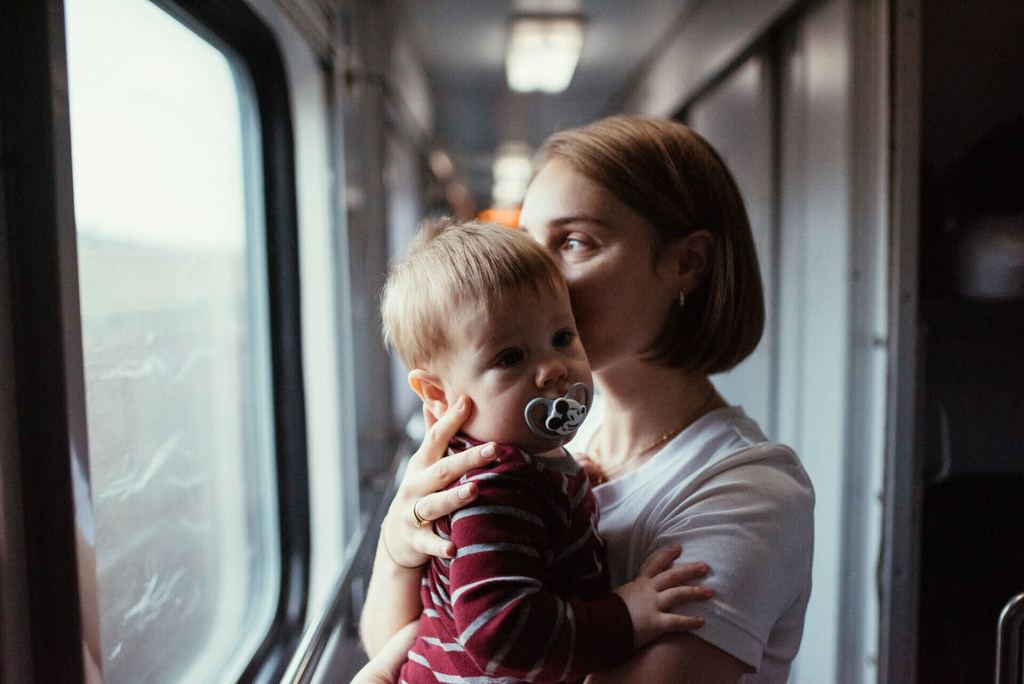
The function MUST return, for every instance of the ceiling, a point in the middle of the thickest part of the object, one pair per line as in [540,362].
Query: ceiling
[461,45]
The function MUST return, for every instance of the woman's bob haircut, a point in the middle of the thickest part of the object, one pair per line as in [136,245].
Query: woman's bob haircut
[674,179]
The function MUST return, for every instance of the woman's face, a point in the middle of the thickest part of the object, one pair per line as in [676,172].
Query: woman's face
[620,295]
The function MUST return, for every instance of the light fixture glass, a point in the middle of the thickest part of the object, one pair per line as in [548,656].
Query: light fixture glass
[510,173]
[543,52]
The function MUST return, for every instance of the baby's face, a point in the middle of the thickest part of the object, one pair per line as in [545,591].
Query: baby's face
[526,347]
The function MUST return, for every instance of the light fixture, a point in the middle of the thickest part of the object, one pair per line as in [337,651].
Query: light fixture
[510,173]
[543,50]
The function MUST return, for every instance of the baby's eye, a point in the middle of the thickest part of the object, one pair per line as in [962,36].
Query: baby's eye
[563,338]
[509,357]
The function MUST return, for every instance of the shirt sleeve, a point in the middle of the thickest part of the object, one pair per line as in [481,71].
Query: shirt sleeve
[752,523]
[508,619]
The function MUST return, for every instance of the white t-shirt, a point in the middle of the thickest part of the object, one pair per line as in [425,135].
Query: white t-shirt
[736,501]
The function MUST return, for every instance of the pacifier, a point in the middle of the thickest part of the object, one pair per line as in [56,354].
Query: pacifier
[554,418]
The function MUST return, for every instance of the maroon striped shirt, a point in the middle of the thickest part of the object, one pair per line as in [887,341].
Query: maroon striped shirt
[526,597]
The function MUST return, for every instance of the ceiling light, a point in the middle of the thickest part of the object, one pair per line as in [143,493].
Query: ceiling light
[543,51]
[510,173]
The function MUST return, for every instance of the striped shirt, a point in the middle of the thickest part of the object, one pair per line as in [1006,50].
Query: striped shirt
[526,598]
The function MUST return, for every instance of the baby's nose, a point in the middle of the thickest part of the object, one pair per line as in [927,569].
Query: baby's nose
[551,371]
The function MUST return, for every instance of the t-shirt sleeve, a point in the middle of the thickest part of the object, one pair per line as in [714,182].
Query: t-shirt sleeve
[752,523]
[508,620]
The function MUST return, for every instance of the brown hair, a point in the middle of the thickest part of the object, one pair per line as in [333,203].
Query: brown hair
[673,178]
[451,265]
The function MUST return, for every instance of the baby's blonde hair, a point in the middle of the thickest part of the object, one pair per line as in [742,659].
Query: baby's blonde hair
[450,266]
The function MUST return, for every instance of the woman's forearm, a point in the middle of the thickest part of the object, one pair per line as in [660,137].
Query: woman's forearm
[386,666]
[392,601]
[675,658]
[393,596]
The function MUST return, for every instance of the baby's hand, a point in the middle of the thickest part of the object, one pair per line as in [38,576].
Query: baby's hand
[657,589]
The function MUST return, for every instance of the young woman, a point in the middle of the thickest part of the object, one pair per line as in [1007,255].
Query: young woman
[649,229]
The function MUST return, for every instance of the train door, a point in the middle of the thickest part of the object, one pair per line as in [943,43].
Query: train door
[971,317]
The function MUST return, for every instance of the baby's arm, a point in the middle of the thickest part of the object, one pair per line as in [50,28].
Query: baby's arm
[657,589]
[513,623]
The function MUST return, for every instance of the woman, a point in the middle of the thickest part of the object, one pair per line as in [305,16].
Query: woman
[648,227]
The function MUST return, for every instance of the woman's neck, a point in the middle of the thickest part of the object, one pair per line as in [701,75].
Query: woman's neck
[645,406]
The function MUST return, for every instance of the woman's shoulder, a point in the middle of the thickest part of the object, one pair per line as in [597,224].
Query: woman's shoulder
[727,441]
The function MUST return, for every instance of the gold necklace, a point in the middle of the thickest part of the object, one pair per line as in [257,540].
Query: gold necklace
[602,476]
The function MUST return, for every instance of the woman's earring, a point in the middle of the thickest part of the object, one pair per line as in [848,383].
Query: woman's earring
[682,300]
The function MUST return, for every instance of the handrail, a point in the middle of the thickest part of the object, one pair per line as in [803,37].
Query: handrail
[316,635]
[1008,642]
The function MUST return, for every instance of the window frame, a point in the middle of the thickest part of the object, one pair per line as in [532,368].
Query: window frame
[48,403]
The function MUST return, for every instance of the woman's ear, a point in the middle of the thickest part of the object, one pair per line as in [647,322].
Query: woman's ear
[691,257]
[431,390]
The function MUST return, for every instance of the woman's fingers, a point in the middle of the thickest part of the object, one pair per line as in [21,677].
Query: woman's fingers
[451,468]
[439,504]
[420,499]
[435,443]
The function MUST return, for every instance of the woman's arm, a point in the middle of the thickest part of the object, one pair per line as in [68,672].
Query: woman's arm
[392,598]
[386,666]
[392,601]
[673,658]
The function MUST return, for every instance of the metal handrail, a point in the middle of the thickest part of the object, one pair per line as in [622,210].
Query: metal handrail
[316,635]
[1008,642]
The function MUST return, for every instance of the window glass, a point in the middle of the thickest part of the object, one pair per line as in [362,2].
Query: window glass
[175,337]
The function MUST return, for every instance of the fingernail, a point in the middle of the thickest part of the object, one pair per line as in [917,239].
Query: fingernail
[460,404]
[707,591]
[488,451]
[465,492]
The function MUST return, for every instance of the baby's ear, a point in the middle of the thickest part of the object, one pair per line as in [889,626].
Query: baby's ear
[430,387]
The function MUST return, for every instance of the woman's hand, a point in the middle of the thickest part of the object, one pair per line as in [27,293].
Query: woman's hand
[385,667]
[410,544]
[657,589]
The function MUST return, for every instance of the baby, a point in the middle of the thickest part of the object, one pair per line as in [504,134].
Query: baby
[483,311]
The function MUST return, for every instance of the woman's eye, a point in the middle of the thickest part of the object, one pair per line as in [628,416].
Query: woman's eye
[563,338]
[577,243]
[509,357]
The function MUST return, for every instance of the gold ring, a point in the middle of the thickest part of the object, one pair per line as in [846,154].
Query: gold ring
[416,514]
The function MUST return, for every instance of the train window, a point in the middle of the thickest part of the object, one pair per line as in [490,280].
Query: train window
[172,277]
